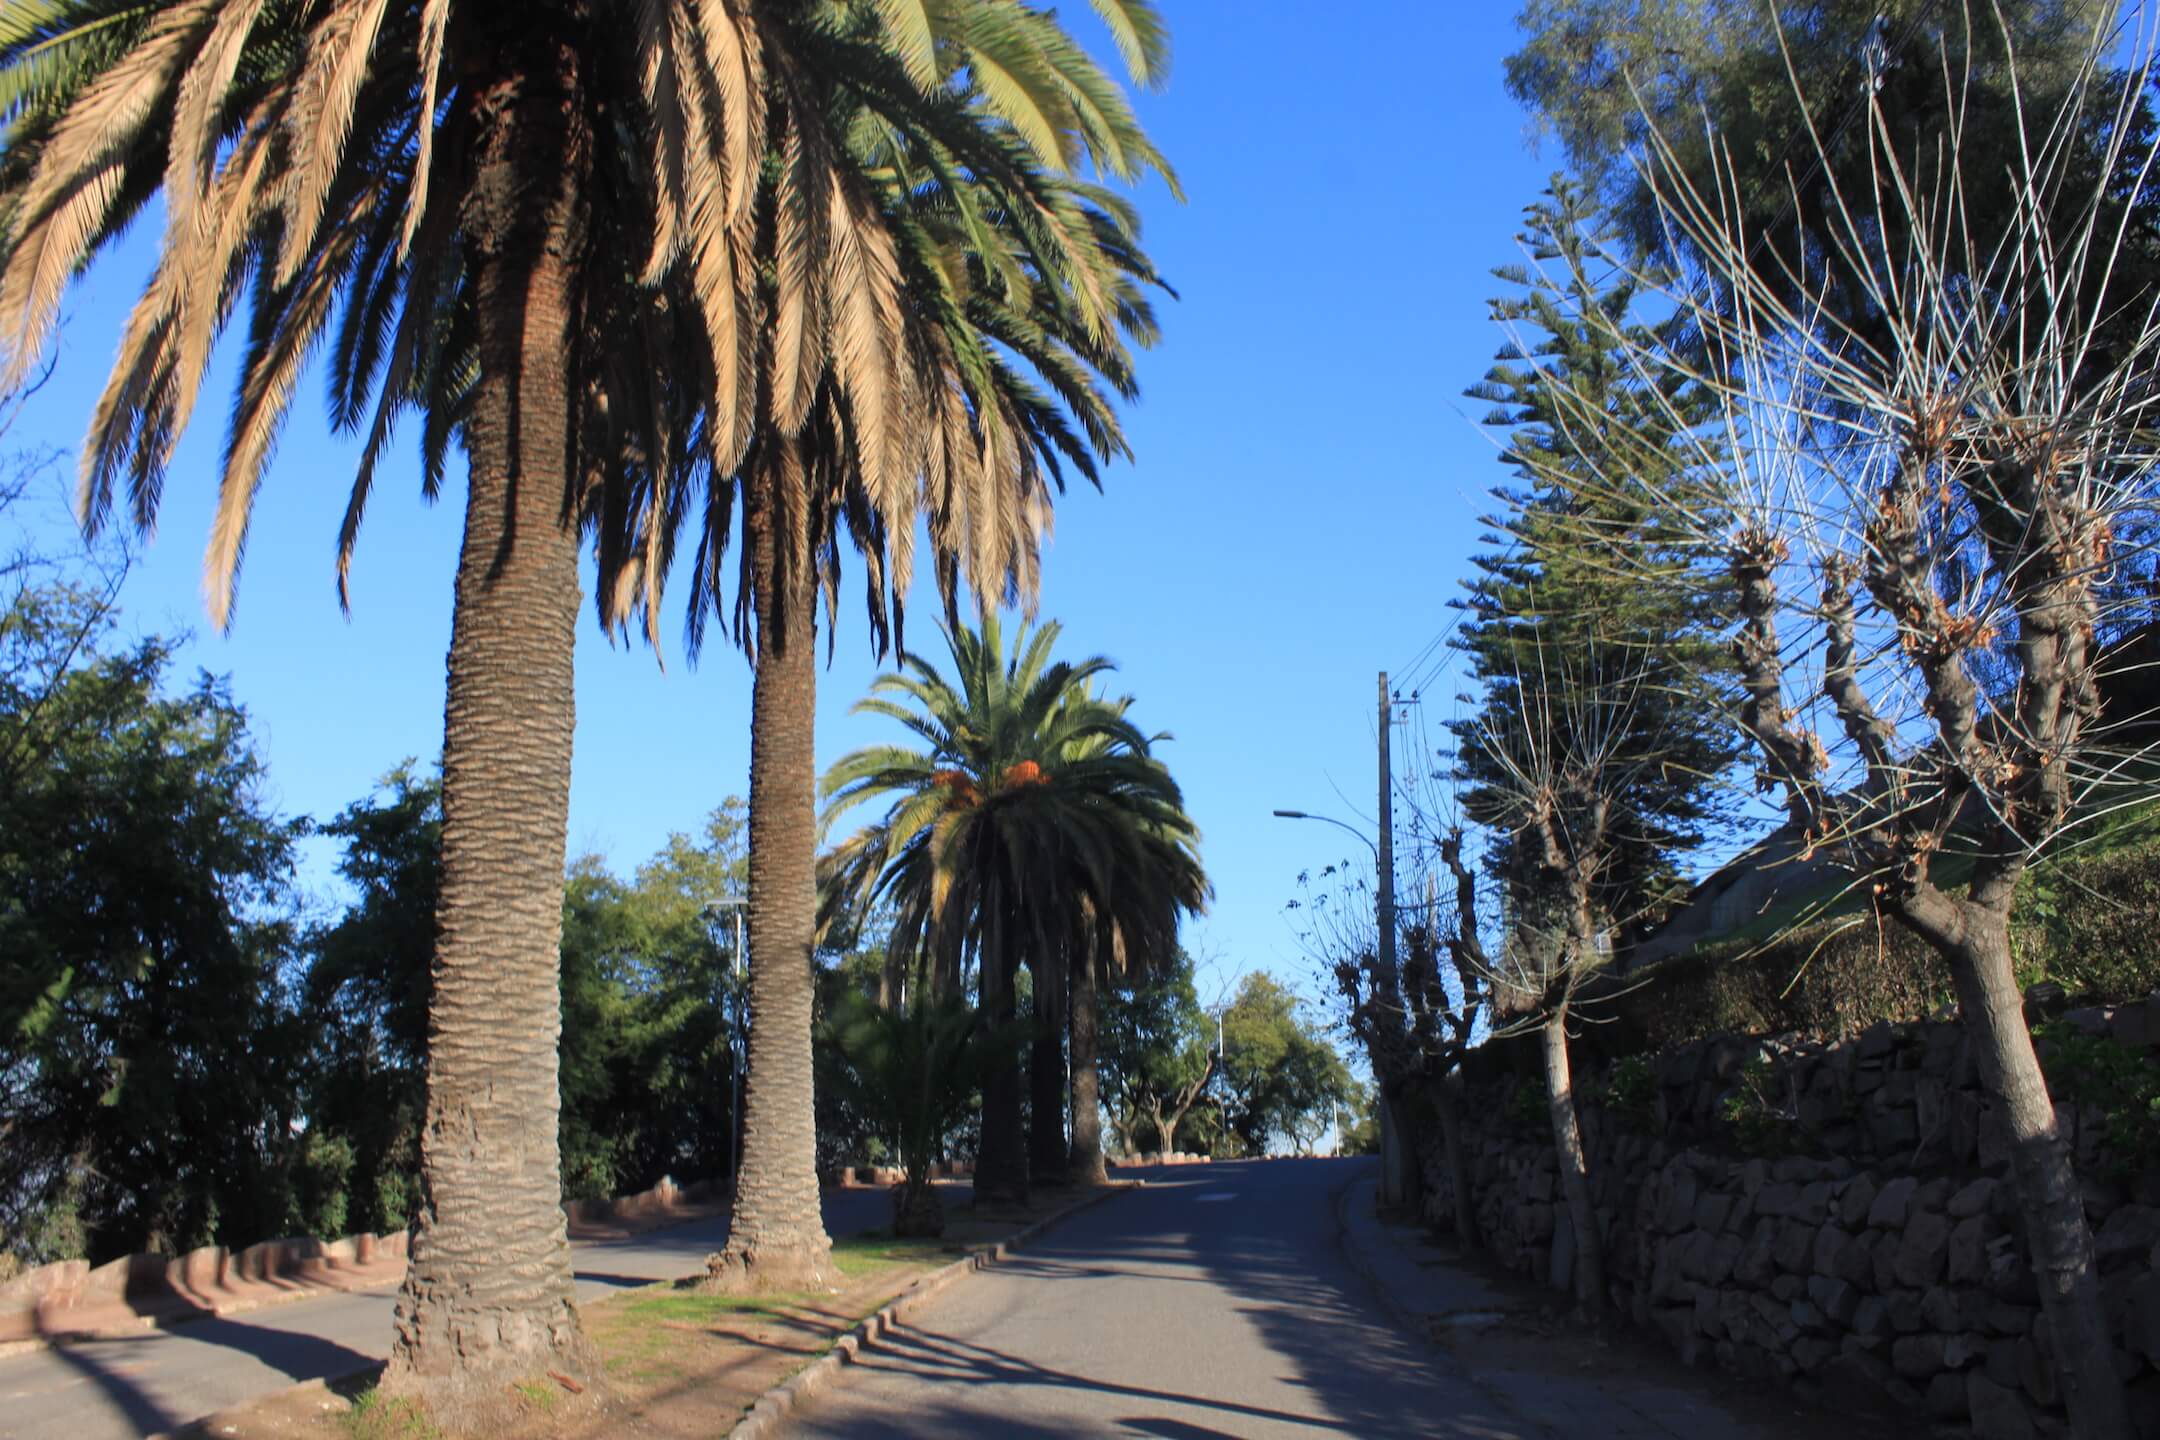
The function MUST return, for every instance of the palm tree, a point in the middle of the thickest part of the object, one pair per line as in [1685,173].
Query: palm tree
[914,1072]
[1004,266]
[1033,810]
[1129,941]
[539,226]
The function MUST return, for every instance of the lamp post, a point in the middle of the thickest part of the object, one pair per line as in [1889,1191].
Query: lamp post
[1222,1081]
[738,1030]
[1331,820]
[1395,1168]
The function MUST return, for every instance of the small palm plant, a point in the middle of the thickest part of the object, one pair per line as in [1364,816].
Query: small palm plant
[915,1074]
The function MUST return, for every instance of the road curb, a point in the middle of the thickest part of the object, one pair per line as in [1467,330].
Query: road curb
[778,1403]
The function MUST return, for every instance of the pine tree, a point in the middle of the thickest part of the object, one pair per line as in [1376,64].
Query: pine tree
[1596,449]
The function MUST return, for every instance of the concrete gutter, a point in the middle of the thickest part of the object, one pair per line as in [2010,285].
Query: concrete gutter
[777,1404]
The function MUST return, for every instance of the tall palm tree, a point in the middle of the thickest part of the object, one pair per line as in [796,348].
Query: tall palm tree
[540,226]
[1123,936]
[1008,272]
[1032,809]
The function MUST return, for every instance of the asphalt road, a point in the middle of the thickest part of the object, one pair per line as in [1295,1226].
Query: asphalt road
[1215,1302]
[161,1379]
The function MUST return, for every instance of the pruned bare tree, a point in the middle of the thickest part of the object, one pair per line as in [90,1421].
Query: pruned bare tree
[1411,1025]
[1926,514]
[1556,813]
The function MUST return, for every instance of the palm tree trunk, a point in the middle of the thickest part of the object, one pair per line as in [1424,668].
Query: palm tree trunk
[1001,1163]
[488,1294]
[776,1237]
[1048,1151]
[1087,1153]
[1574,1165]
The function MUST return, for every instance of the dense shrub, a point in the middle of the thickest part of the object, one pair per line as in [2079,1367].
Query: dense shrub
[2088,922]
[1831,979]
[2092,925]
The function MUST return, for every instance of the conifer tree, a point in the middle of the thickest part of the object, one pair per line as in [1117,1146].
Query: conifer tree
[1593,449]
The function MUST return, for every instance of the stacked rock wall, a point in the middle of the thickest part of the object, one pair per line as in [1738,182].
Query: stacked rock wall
[1867,1253]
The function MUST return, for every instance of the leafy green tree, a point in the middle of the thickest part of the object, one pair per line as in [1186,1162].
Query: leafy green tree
[1286,1082]
[1031,810]
[1599,449]
[915,1073]
[367,989]
[149,1051]
[1158,1057]
[645,987]
[1358,1123]
[600,246]
[648,985]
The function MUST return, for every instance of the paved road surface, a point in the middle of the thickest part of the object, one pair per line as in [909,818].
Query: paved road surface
[117,1389]
[1215,1302]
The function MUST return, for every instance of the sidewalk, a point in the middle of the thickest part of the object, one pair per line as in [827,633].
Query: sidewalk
[1555,1376]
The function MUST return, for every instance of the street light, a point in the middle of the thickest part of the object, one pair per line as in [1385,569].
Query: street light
[738,1036]
[1219,1085]
[1392,1164]
[1330,820]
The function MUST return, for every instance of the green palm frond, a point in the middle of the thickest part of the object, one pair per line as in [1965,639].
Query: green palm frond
[1035,812]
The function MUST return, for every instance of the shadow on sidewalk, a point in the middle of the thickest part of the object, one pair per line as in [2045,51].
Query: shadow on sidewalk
[114,1364]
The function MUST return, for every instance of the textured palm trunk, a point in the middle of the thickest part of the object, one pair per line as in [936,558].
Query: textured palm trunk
[2047,1185]
[1088,1167]
[1048,1150]
[488,1293]
[1574,1165]
[1001,1163]
[776,1238]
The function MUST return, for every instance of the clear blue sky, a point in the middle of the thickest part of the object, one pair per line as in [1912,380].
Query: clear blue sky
[1301,511]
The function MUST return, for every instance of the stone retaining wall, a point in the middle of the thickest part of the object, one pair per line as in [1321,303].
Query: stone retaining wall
[1870,1256]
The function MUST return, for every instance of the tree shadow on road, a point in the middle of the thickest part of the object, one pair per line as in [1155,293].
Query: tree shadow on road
[104,1363]
[1317,1316]
[940,1359]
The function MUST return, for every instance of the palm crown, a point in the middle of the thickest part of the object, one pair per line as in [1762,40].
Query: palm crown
[1032,800]
[843,206]
[1032,826]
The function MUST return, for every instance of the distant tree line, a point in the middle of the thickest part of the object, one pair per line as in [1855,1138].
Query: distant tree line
[194,1050]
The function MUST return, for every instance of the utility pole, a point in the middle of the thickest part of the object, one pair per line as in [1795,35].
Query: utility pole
[1393,1171]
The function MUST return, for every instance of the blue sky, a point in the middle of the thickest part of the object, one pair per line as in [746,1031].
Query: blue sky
[1300,514]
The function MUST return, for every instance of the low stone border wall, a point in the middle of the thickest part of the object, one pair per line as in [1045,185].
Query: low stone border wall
[45,1300]
[54,1299]
[844,1176]
[1876,1261]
